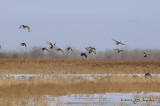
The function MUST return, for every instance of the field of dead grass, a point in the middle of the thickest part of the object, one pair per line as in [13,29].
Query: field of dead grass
[20,92]
[77,66]
[61,86]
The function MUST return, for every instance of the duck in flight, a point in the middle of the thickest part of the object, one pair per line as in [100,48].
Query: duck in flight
[59,49]
[24,44]
[145,54]
[91,49]
[51,45]
[69,49]
[88,48]
[24,27]
[118,50]
[84,54]
[44,49]
[118,42]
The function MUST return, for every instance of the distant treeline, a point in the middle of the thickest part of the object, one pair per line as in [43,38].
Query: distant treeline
[36,53]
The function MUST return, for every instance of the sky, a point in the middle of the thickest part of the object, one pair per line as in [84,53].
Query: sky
[80,23]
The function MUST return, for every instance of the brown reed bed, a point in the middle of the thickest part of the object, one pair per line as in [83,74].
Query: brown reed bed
[77,66]
[15,92]
[62,86]
[19,92]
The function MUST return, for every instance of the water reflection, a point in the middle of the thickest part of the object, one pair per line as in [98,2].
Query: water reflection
[108,99]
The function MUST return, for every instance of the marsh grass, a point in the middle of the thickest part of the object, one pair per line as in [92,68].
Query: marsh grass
[27,92]
[77,66]
[11,89]
[32,101]
[60,86]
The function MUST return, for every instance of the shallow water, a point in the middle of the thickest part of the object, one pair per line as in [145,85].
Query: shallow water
[108,99]
[89,76]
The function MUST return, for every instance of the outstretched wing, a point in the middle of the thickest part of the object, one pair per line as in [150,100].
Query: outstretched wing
[114,40]
[94,51]
[122,43]
[21,26]
[59,49]
[43,49]
[29,30]
[88,48]
[47,50]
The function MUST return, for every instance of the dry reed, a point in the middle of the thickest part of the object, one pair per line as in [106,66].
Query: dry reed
[12,89]
[77,66]
[60,86]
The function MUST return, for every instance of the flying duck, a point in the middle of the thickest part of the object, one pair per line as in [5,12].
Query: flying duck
[69,48]
[24,27]
[43,49]
[51,45]
[59,49]
[118,50]
[24,44]
[84,54]
[145,55]
[118,42]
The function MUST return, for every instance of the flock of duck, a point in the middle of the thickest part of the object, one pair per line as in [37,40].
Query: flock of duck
[89,49]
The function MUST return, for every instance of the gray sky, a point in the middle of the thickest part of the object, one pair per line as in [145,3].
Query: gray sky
[80,23]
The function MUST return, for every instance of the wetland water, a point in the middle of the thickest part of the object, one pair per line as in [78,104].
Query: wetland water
[107,99]
[89,76]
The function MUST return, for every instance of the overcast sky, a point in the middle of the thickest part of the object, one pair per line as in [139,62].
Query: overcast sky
[80,23]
